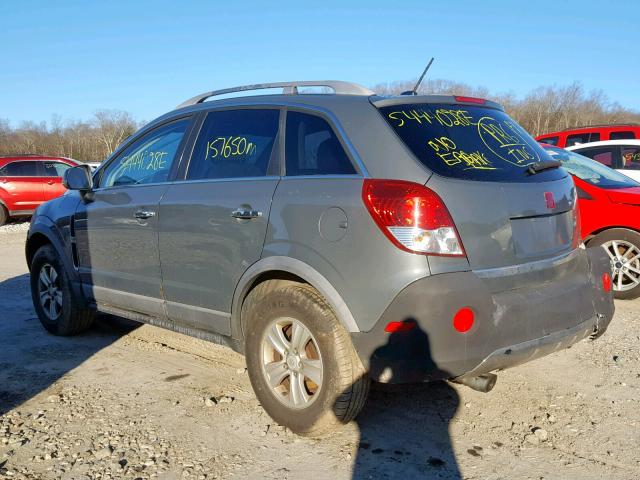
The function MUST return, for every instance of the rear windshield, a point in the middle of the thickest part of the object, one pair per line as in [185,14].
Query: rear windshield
[468,142]
[589,170]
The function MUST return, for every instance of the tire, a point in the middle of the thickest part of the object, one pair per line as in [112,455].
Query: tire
[71,316]
[4,215]
[274,306]
[627,246]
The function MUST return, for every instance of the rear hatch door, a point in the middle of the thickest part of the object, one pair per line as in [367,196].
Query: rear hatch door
[505,214]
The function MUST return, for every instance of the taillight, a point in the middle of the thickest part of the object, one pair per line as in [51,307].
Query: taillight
[577,231]
[412,216]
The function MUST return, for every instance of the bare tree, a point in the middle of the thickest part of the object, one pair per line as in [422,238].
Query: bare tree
[112,127]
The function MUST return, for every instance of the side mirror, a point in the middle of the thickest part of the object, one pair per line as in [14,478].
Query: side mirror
[78,178]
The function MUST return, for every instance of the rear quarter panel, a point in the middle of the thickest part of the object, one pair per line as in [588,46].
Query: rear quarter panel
[307,223]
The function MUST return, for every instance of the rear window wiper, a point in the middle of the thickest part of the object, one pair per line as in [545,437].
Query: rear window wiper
[542,166]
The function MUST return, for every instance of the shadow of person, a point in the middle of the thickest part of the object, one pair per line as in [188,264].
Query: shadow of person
[404,427]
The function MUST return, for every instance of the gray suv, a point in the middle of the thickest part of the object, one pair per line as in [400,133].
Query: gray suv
[332,238]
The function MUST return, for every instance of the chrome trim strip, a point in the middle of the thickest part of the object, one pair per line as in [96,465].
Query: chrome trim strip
[527,267]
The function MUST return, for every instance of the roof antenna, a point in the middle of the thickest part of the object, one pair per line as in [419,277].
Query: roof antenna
[415,89]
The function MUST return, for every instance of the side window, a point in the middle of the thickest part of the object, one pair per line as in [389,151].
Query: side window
[631,158]
[312,147]
[582,138]
[22,169]
[603,155]
[550,140]
[621,135]
[55,169]
[148,160]
[234,144]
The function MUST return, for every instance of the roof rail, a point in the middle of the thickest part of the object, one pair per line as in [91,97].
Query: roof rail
[604,125]
[288,88]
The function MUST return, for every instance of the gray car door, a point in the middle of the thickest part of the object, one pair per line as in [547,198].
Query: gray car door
[116,229]
[212,224]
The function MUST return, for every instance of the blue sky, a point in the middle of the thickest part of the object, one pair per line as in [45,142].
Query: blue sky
[71,58]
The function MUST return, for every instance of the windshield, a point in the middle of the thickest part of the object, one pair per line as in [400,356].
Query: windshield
[468,142]
[589,170]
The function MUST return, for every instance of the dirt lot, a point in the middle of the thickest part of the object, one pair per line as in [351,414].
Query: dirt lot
[126,402]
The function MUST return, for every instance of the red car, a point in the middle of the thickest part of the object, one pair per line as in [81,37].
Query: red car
[27,181]
[593,133]
[609,204]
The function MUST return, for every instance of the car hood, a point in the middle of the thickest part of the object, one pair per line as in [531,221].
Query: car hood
[629,196]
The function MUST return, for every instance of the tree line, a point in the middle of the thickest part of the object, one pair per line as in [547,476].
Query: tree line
[91,140]
[544,109]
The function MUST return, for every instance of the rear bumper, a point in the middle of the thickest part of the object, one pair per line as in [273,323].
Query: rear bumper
[539,347]
[519,316]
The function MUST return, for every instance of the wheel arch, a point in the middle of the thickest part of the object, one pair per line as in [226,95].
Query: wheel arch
[44,231]
[593,234]
[35,242]
[286,268]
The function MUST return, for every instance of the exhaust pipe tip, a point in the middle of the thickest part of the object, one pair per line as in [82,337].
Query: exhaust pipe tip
[482,383]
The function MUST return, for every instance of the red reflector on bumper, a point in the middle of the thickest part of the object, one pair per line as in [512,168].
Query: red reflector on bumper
[463,320]
[395,327]
[606,282]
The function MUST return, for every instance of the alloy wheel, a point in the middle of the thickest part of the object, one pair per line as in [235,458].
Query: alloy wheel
[50,292]
[291,362]
[625,264]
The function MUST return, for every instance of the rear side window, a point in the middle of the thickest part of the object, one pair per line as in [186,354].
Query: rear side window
[21,169]
[631,158]
[603,155]
[589,170]
[550,140]
[55,169]
[234,144]
[468,142]
[621,136]
[578,138]
[312,147]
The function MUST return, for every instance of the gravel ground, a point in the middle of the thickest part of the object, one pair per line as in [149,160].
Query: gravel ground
[122,401]
[15,226]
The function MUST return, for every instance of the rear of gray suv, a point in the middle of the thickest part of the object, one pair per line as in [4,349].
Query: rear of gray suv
[332,239]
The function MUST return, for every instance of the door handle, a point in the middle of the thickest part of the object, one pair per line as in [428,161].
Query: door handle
[144,214]
[245,214]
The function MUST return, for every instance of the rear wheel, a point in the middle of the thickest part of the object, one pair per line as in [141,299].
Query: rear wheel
[60,311]
[301,362]
[4,215]
[623,247]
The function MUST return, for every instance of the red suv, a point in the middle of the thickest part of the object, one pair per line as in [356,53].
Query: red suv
[593,133]
[26,181]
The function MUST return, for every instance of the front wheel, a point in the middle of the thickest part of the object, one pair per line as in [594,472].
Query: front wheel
[60,311]
[300,360]
[623,247]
